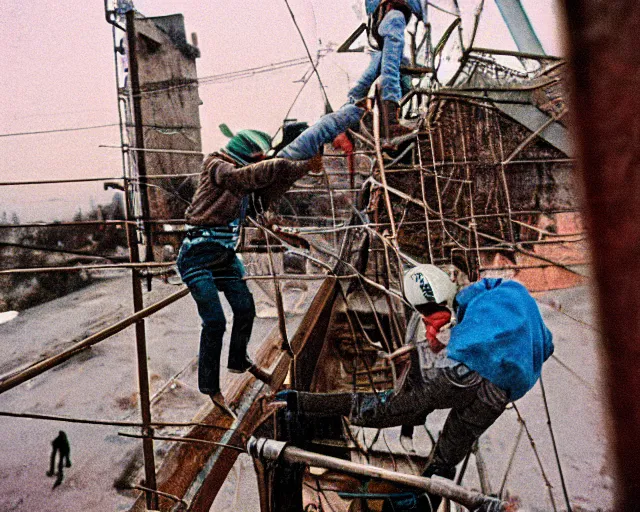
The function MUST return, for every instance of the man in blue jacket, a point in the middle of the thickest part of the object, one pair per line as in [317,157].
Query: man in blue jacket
[494,356]
[387,23]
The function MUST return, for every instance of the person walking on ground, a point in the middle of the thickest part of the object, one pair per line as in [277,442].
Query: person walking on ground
[207,261]
[60,445]
[494,355]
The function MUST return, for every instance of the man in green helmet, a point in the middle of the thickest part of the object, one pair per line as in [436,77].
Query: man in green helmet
[207,261]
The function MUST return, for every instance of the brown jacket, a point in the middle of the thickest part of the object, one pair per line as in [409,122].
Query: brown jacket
[222,186]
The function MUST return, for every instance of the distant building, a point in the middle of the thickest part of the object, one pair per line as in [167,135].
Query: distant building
[170,115]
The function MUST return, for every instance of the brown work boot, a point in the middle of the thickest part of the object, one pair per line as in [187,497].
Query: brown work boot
[247,365]
[219,401]
[390,124]
[260,374]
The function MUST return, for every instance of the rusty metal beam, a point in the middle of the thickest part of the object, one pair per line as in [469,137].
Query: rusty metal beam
[605,62]
[15,379]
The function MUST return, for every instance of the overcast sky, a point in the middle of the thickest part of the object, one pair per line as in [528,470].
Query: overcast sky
[58,72]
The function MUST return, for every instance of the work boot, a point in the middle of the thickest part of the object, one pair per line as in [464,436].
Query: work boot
[406,438]
[260,374]
[390,124]
[219,401]
[251,367]
[428,501]
[239,366]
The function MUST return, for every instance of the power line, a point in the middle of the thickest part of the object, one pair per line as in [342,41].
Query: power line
[220,78]
[59,130]
[327,104]
[304,84]
[265,67]
[239,74]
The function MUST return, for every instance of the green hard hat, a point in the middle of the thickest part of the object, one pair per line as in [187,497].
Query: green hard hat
[246,146]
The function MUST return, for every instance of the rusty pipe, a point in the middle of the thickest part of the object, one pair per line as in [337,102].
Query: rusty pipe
[36,369]
[278,450]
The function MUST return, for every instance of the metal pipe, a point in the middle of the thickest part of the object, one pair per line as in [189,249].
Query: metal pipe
[36,369]
[64,224]
[178,439]
[520,27]
[149,150]
[141,164]
[109,423]
[278,450]
[159,493]
[509,53]
[79,268]
[565,492]
[50,182]
[552,119]
[126,266]
[41,248]
[108,16]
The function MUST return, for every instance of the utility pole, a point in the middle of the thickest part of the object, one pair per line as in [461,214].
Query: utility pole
[140,158]
[138,303]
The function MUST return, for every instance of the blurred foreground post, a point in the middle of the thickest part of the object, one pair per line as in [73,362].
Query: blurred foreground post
[603,47]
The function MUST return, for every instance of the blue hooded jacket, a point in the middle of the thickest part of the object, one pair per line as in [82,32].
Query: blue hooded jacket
[501,335]
[414,5]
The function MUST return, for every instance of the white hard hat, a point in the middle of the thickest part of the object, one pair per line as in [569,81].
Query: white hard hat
[428,283]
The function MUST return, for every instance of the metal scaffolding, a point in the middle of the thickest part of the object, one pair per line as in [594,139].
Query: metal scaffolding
[451,196]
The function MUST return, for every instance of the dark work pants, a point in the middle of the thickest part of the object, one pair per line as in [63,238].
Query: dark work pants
[208,268]
[63,460]
[475,405]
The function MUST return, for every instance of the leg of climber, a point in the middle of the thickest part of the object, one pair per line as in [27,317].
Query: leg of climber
[240,299]
[361,88]
[203,289]
[327,128]
[464,425]
[391,30]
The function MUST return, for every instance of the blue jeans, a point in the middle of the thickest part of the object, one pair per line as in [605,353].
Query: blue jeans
[208,268]
[386,62]
[327,128]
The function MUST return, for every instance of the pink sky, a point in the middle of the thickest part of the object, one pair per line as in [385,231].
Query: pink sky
[58,72]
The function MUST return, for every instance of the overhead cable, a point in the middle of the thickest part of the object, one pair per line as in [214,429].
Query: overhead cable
[327,104]
[232,76]
[59,130]
[207,80]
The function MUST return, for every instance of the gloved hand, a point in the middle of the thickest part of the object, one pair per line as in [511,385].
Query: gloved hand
[433,323]
[290,396]
[316,165]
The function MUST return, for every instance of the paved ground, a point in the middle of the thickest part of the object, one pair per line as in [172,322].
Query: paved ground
[100,383]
